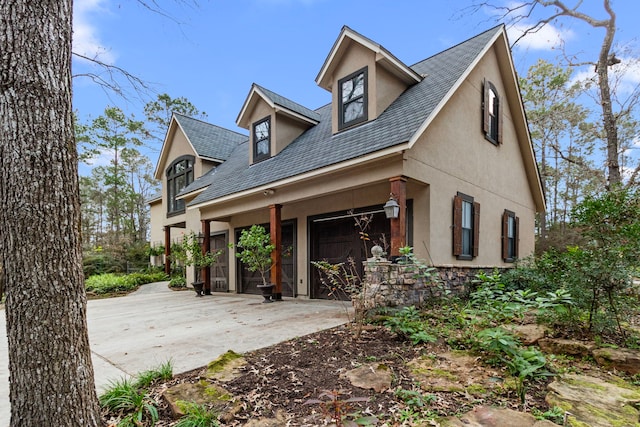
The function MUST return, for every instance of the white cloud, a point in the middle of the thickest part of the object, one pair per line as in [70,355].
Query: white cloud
[103,158]
[624,77]
[86,39]
[548,37]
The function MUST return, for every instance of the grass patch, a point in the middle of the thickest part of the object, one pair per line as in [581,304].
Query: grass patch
[197,416]
[163,372]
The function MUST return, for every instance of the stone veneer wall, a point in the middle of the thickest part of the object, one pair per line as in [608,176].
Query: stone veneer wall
[400,285]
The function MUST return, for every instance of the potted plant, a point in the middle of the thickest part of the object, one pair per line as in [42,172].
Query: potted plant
[155,254]
[189,253]
[255,250]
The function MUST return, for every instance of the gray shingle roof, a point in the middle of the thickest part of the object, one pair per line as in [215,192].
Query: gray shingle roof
[318,148]
[209,140]
[288,104]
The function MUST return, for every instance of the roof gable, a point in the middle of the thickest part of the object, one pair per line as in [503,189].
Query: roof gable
[383,57]
[279,103]
[207,141]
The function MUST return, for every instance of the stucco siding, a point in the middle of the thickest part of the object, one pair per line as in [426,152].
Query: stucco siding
[454,156]
[356,58]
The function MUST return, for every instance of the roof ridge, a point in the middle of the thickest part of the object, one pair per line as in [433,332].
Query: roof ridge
[457,45]
[209,124]
[271,92]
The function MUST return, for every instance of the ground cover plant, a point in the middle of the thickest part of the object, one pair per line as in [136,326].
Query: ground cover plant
[128,402]
[112,283]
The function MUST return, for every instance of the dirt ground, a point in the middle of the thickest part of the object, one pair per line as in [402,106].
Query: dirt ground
[278,380]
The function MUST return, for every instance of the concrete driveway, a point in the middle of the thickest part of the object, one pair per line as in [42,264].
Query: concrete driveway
[154,324]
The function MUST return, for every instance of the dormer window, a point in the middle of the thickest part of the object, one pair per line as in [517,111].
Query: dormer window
[179,175]
[262,140]
[353,99]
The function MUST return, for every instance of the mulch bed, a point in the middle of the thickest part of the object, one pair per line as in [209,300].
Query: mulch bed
[278,380]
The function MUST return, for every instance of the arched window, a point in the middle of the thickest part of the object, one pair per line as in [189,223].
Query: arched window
[179,175]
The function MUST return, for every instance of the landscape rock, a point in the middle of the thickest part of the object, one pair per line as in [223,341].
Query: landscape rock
[484,416]
[200,393]
[279,421]
[594,402]
[564,346]
[454,372]
[622,359]
[226,367]
[376,376]
[529,334]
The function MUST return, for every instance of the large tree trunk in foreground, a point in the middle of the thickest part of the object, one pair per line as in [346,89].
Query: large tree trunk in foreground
[51,374]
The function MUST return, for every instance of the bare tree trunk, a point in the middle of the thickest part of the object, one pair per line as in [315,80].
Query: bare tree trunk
[51,374]
[605,59]
[610,125]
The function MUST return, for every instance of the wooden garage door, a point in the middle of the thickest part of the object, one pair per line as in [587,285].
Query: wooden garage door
[249,281]
[220,269]
[335,239]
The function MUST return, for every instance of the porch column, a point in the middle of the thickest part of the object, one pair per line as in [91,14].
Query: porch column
[206,247]
[275,227]
[399,225]
[167,250]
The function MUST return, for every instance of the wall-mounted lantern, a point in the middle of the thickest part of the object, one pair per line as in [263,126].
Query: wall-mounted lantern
[391,208]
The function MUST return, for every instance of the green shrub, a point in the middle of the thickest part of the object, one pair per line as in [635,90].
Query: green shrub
[99,262]
[110,283]
[493,302]
[178,282]
[408,324]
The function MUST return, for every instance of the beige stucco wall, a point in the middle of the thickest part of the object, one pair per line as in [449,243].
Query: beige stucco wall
[451,158]
[156,234]
[387,88]
[357,57]
[286,130]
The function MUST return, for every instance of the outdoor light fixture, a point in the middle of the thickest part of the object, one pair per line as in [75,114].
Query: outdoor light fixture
[391,208]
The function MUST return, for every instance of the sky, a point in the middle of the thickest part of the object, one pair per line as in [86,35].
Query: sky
[212,51]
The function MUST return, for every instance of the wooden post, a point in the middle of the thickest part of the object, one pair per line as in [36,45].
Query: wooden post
[275,229]
[167,250]
[399,225]
[206,246]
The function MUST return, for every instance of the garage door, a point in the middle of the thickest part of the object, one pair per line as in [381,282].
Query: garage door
[249,281]
[335,238]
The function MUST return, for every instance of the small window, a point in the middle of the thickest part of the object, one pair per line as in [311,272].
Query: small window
[179,175]
[466,227]
[491,114]
[352,98]
[510,223]
[262,140]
